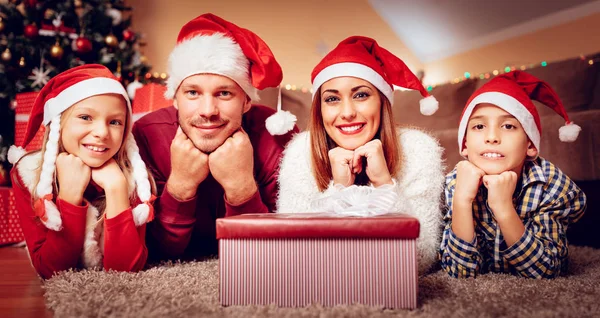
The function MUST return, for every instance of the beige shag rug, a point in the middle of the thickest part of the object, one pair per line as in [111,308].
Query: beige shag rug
[191,290]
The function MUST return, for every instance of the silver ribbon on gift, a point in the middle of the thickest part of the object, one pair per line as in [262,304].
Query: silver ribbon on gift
[358,200]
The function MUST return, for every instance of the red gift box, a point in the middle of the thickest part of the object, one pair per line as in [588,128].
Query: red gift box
[298,259]
[149,98]
[10,228]
[24,105]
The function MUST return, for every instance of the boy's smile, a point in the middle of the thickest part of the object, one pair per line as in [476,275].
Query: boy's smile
[495,141]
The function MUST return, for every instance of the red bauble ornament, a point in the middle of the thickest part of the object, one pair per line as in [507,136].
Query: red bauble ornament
[128,35]
[31,31]
[83,45]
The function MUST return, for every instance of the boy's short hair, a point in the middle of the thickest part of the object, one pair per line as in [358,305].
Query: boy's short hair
[514,92]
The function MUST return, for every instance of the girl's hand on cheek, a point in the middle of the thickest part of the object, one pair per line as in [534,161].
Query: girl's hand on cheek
[109,176]
[73,178]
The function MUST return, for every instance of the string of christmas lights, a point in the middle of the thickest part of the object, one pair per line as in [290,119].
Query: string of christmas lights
[468,75]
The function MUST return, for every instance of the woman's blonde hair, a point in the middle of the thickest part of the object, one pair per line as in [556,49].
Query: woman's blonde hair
[321,143]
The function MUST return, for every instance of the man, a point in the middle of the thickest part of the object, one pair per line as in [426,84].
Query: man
[222,160]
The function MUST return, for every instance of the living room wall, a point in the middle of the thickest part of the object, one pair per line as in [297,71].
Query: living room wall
[299,33]
[552,44]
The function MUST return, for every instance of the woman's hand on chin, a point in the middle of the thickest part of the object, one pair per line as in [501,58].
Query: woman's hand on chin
[376,169]
[341,166]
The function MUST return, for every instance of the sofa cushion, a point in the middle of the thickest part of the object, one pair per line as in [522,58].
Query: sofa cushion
[299,104]
[452,98]
[573,80]
[448,140]
[580,160]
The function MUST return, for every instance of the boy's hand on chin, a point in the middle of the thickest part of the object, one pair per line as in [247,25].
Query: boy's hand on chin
[501,188]
[468,180]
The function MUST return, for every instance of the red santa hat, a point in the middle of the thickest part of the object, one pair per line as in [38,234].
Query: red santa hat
[209,44]
[513,92]
[362,57]
[59,94]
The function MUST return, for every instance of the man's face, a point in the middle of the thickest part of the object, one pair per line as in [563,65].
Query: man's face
[495,141]
[210,109]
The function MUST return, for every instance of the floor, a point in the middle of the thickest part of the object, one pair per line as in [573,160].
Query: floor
[21,293]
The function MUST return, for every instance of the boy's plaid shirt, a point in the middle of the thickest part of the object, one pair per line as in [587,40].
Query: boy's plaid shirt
[547,202]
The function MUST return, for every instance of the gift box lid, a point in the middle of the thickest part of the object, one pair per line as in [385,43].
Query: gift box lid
[317,225]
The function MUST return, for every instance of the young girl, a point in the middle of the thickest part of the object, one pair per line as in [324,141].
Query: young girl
[353,160]
[85,197]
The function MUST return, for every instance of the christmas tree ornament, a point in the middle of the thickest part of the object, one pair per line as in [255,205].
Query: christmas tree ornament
[128,35]
[116,16]
[48,14]
[83,45]
[135,60]
[31,31]
[2,25]
[80,12]
[118,72]
[133,87]
[56,51]
[39,76]
[20,6]
[111,40]
[6,55]
[22,61]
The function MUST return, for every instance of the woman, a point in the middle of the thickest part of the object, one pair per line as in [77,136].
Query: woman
[353,159]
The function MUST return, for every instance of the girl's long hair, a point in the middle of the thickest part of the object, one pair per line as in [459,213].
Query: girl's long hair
[120,157]
[321,143]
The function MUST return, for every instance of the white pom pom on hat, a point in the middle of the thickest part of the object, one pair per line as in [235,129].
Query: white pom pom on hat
[282,121]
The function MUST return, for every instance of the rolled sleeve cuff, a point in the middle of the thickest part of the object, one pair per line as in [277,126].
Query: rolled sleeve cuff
[524,252]
[68,208]
[463,252]
[175,211]
[119,220]
[253,205]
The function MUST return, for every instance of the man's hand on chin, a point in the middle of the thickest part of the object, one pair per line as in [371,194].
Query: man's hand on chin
[189,167]
[232,166]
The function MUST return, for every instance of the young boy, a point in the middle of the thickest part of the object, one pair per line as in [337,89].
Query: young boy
[508,209]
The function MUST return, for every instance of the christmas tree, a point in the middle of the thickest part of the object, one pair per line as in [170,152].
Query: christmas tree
[39,39]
